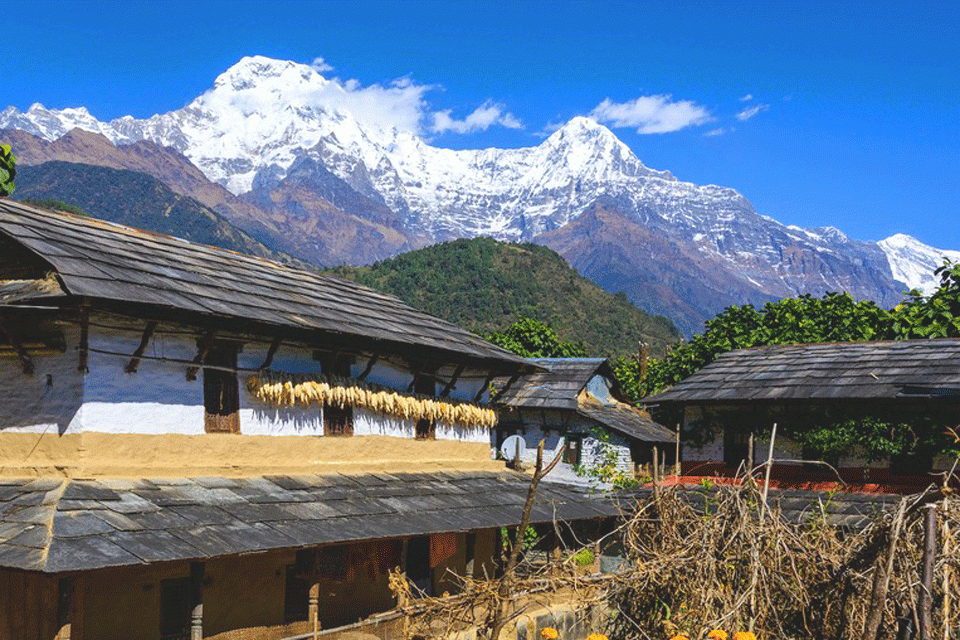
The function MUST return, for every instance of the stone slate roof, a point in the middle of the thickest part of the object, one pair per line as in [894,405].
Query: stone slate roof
[555,388]
[56,525]
[798,506]
[558,386]
[839,371]
[111,263]
[627,420]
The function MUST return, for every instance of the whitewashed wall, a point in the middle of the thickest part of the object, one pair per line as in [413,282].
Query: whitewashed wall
[158,399]
[532,428]
[50,400]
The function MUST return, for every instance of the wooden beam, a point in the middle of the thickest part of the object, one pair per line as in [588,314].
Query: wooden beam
[485,386]
[205,343]
[25,362]
[144,341]
[506,387]
[453,381]
[272,351]
[84,338]
[370,363]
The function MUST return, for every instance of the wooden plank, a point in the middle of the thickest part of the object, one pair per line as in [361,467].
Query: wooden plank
[205,343]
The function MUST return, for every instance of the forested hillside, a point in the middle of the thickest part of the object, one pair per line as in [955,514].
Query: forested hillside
[485,285]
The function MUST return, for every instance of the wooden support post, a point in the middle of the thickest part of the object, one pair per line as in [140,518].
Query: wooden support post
[196,604]
[272,351]
[144,341]
[453,381]
[926,577]
[486,385]
[402,598]
[205,343]
[313,609]
[751,453]
[370,364]
[84,338]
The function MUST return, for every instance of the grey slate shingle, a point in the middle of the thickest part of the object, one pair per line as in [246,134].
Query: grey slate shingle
[894,370]
[196,518]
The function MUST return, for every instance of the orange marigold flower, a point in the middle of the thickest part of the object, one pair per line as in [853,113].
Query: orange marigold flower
[717,634]
[744,635]
[679,636]
[596,636]
[549,633]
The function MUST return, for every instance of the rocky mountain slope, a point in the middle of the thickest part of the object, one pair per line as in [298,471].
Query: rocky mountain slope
[137,200]
[317,182]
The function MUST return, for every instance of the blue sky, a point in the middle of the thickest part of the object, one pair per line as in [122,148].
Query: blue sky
[849,113]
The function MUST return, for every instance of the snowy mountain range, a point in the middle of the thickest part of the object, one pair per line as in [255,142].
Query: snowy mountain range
[328,187]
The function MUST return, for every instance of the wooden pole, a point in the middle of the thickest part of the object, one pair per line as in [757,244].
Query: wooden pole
[676,460]
[313,609]
[656,467]
[766,474]
[926,579]
[196,595]
[751,453]
[881,578]
[946,571]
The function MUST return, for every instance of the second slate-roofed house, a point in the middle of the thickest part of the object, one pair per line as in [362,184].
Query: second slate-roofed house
[196,443]
[576,405]
[735,401]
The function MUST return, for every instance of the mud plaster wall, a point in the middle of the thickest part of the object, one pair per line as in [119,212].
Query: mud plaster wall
[28,606]
[92,455]
[124,603]
[484,553]
[246,591]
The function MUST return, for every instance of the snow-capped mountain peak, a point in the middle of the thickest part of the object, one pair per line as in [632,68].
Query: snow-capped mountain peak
[914,262]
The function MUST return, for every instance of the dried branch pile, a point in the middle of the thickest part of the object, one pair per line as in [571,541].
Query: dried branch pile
[725,566]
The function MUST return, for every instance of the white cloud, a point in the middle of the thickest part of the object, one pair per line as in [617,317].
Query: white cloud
[749,112]
[651,114]
[747,98]
[716,132]
[320,65]
[483,117]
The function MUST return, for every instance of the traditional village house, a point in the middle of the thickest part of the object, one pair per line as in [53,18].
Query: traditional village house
[728,408]
[576,404]
[200,444]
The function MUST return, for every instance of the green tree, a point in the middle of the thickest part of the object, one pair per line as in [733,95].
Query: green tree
[8,170]
[531,338]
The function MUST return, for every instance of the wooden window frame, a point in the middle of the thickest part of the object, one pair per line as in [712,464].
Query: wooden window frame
[337,421]
[577,450]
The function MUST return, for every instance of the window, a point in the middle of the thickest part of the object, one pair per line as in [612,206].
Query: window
[736,447]
[337,421]
[571,454]
[175,609]
[425,385]
[221,392]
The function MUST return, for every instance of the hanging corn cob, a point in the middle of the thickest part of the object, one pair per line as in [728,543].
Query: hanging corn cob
[280,389]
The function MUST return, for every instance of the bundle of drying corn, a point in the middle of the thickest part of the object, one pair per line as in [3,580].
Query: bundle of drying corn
[280,389]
